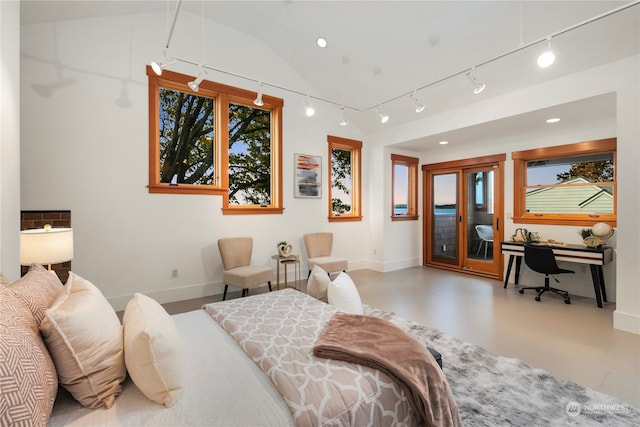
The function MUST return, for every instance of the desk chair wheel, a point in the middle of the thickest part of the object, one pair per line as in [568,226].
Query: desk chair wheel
[567,301]
[537,298]
[521,291]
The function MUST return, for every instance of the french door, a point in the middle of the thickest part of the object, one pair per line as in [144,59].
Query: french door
[463,215]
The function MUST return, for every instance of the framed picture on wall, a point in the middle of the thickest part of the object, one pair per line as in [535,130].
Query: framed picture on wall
[308,176]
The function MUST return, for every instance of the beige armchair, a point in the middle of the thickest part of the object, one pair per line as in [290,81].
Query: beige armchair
[238,271]
[319,246]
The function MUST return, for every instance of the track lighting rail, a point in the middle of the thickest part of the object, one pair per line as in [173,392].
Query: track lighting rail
[411,94]
[512,51]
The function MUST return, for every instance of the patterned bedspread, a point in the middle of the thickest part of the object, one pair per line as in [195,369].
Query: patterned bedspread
[278,331]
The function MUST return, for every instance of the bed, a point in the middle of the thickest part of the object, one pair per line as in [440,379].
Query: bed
[244,362]
[230,380]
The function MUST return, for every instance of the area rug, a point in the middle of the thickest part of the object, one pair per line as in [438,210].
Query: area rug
[492,390]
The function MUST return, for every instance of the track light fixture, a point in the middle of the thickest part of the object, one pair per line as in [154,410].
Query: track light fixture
[419,106]
[195,84]
[547,57]
[308,107]
[384,118]
[157,67]
[258,101]
[477,86]
[343,120]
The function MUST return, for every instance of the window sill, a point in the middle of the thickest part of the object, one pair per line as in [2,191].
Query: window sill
[404,218]
[185,189]
[252,211]
[346,218]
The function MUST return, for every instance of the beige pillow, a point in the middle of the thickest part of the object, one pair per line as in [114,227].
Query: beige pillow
[84,337]
[38,289]
[318,282]
[343,294]
[152,350]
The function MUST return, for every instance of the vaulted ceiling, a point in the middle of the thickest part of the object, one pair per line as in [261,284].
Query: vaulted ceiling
[381,51]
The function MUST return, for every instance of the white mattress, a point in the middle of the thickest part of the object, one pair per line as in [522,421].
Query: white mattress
[222,387]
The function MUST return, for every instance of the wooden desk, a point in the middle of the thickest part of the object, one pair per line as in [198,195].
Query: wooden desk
[595,257]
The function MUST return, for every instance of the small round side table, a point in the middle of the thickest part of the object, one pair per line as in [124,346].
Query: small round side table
[286,261]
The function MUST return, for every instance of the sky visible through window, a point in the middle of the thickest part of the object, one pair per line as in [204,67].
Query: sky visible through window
[545,175]
[401,189]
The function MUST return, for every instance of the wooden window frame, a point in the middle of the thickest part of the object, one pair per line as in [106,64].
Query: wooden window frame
[178,82]
[355,147]
[520,160]
[274,105]
[412,190]
[222,95]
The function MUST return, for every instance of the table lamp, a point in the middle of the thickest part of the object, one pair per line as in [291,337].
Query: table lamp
[46,246]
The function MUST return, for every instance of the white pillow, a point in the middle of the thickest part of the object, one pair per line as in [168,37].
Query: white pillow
[343,295]
[318,283]
[84,337]
[152,350]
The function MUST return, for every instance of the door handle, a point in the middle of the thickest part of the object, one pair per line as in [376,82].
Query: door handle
[497,224]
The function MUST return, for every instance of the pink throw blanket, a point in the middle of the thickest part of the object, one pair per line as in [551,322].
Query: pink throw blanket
[379,344]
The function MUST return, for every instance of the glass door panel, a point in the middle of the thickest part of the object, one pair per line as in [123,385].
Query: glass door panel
[444,224]
[482,242]
[480,209]
[462,209]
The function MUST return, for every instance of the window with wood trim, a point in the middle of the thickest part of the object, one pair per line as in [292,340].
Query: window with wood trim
[345,192]
[215,141]
[404,188]
[571,184]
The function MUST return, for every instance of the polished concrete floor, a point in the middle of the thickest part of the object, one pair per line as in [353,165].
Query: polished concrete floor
[576,342]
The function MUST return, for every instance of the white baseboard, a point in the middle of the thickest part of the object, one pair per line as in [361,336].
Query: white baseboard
[180,293]
[401,264]
[626,322]
[381,267]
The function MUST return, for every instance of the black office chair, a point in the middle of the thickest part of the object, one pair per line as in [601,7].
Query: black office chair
[542,260]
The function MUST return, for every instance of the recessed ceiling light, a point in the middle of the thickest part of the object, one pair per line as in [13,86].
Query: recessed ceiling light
[321,41]
[553,120]
[443,142]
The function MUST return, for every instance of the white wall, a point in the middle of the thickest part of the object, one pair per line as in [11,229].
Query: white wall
[9,138]
[621,78]
[84,152]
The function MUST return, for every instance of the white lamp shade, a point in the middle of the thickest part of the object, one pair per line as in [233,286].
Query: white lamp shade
[42,246]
